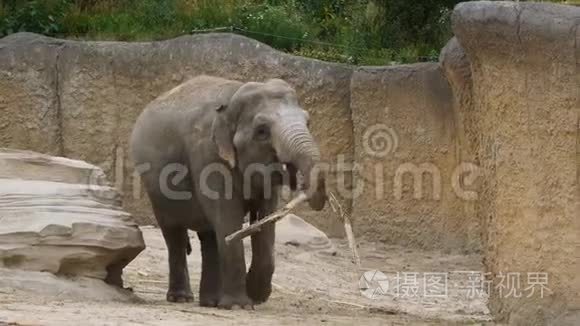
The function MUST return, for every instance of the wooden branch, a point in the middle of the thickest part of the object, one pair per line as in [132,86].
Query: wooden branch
[337,208]
[272,218]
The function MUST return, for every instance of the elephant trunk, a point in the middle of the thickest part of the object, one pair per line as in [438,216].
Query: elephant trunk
[295,145]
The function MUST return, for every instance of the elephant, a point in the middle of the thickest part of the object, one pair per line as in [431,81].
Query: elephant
[194,146]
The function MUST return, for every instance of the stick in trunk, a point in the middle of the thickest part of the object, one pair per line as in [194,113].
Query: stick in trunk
[272,218]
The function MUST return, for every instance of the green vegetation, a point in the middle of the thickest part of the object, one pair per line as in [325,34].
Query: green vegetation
[368,32]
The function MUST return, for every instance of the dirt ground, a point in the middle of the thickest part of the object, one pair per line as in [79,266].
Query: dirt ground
[310,288]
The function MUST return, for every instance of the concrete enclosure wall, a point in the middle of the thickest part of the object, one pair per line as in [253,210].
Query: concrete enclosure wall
[405,146]
[525,110]
[478,151]
[80,100]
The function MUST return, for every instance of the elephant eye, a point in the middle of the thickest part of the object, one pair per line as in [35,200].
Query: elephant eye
[262,132]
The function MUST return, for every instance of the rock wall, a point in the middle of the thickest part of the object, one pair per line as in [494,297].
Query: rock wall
[467,181]
[28,94]
[94,91]
[406,152]
[524,67]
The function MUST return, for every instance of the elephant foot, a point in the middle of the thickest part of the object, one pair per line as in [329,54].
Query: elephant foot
[208,300]
[233,302]
[258,289]
[179,296]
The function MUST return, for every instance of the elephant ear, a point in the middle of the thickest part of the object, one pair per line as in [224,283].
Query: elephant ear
[222,136]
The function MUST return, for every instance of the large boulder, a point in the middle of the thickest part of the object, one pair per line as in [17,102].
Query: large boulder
[22,284]
[60,216]
[294,231]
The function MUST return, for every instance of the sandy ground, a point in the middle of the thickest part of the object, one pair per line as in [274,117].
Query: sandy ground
[310,288]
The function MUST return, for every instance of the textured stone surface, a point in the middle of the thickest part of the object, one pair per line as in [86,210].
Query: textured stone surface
[457,69]
[60,216]
[406,151]
[103,86]
[524,59]
[29,105]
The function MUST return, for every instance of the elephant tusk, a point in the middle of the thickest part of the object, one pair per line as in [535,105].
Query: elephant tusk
[272,218]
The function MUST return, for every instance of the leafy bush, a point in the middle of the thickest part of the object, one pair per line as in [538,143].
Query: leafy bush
[366,32]
[280,26]
[36,16]
[206,14]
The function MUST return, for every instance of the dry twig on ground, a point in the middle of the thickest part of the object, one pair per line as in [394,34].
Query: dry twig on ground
[337,208]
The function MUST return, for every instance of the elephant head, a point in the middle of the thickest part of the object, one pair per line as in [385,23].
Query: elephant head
[264,124]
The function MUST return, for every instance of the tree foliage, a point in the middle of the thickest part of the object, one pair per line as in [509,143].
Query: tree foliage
[374,32]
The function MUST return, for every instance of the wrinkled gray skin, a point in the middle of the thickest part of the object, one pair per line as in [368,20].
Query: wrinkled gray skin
[211,120]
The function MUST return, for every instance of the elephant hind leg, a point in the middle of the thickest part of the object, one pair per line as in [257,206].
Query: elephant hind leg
[210,284]
[174,216]
[179,287]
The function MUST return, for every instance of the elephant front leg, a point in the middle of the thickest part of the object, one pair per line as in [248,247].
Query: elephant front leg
[177,244]
[233,274]
[259,278]
[232,264]
[225,211]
